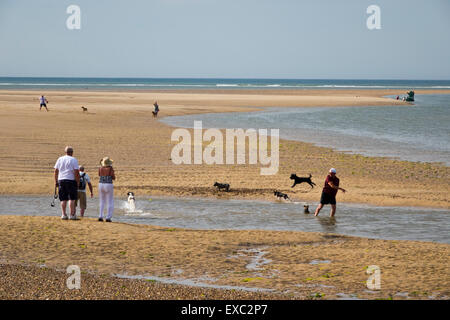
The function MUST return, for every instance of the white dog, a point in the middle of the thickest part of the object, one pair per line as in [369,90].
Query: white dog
[131,201]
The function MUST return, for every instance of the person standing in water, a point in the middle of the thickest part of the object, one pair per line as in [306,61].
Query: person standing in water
[84,180]
[106,188]
[67,178]
[330,189]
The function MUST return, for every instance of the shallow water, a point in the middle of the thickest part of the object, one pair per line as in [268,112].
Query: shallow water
[193,283]
[418,132]
[396,223]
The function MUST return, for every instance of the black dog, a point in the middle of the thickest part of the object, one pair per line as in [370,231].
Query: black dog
[220,186]
[306,209]
[281,195]
[298,180]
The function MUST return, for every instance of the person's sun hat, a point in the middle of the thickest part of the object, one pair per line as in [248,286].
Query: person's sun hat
[106,162]
[332,170]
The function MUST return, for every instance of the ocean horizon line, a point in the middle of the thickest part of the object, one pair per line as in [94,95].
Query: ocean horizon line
[219,78]
[214,83]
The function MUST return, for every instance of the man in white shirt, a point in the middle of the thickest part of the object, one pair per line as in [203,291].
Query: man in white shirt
[67,178]
[43,103]
[84,180]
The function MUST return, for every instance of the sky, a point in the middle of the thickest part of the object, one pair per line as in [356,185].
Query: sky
[317,39]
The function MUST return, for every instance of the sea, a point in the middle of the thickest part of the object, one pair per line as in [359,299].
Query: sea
[419,132]
[212,83]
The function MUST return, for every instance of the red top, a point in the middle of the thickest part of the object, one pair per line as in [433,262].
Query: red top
[329,190]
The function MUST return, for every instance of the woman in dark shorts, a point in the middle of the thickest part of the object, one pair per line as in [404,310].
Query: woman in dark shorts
[330,189]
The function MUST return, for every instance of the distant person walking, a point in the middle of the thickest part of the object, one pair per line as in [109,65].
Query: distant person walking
[43,103]
[106,188]
[84,180]
[330,189]
[155,113]
[67,178]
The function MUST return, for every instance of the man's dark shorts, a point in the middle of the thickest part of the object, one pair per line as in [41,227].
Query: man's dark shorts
[68,190]
[327,198]
[43,105]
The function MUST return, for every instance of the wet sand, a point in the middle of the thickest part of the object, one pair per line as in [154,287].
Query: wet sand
[120,125]
[298,265]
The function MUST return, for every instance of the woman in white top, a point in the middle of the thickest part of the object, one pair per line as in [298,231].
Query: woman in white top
[106,188]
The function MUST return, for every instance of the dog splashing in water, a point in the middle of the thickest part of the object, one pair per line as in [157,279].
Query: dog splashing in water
[131,201]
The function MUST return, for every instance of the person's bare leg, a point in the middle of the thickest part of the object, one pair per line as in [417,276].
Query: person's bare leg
[72,207]
[63,208]
[333,210]
[316,213]
[82,212]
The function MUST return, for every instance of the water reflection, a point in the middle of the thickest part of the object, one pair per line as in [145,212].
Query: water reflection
[328,224]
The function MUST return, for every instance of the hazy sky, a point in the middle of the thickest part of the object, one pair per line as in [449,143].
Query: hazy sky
[226,39]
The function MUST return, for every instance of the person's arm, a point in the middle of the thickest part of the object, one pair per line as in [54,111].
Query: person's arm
[112,174]
[335,187]
[77,176]
[90,189]
[56,176]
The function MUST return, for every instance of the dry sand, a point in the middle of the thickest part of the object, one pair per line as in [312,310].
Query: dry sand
[120,125]
[298,264]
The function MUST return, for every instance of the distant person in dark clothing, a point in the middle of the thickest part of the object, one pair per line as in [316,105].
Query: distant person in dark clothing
[155,113]
[329,192]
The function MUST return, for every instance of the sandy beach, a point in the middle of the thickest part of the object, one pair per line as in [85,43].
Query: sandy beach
[296,265]
[120,125]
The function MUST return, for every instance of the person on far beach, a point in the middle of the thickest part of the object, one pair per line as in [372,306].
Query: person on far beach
[84,180]
[43,103]
[330,189]
[67,178]
[155,113]
[106,188]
